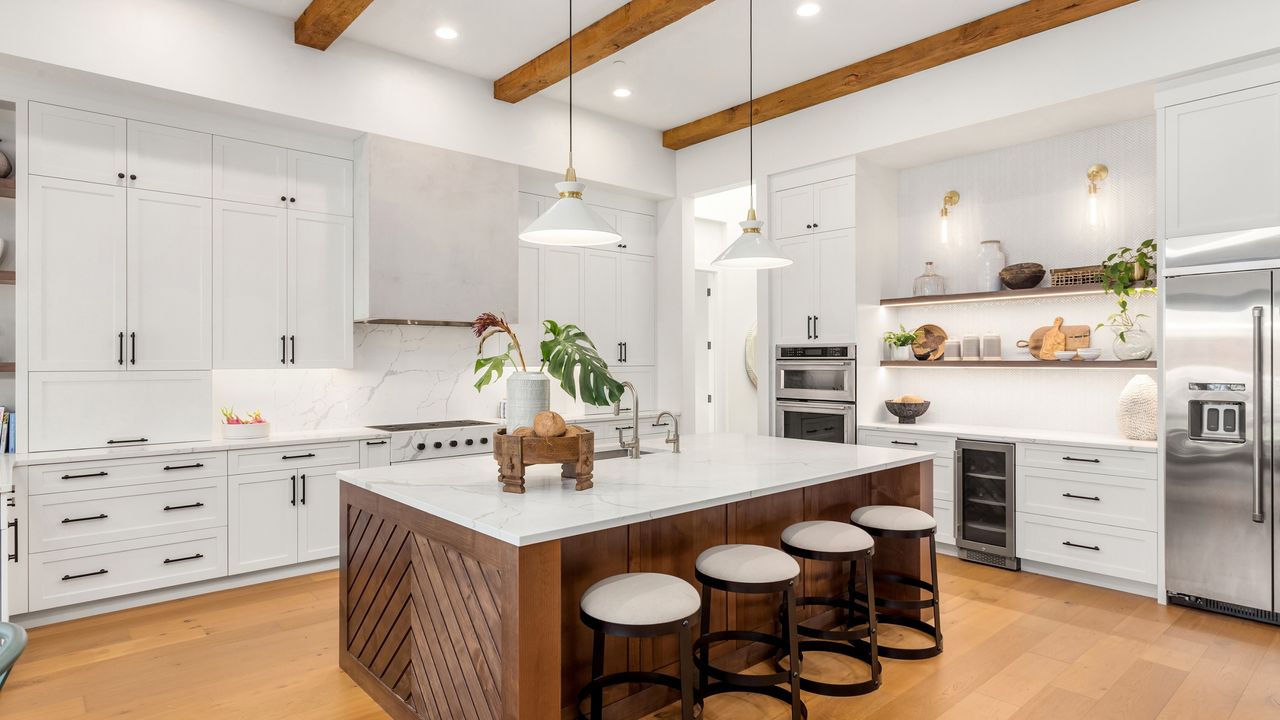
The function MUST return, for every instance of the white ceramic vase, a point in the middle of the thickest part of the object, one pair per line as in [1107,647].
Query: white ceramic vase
[1136,410]
[991,260]
[903,352]
[528,393]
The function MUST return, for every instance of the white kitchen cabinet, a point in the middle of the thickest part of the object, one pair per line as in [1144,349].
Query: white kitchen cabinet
[796,293]
[645,379]
[169,300]
[636,302]
[13,553]
[319,183]
[639,233]
[280,517]
[318,512]
[71,410]
[250,172]
[320,290]
[96,516]
[375,453]
[793,212]
[809,209]
[76,275]
[562,285]
[77,145]
[169,159]
[601,300]
[250,286]
[815,297]
[1222,163]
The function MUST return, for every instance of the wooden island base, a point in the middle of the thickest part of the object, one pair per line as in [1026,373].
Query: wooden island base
[439,621]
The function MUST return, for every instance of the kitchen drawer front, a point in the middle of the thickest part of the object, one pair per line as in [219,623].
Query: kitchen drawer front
[1101,549]
[65,477]
[944,479]
[91,517]
[66,577]
[267,459]
[944,447]
[944,514]
[1091,460]
[71,410]
[1088,497]
[607,430]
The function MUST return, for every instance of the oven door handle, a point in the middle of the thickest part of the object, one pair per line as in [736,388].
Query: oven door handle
[840,408]
[814,364]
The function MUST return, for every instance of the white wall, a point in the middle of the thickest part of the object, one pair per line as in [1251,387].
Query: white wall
[233,54]
[8,231]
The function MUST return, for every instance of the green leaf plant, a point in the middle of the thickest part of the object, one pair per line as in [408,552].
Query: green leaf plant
[568,355]
[1127,273]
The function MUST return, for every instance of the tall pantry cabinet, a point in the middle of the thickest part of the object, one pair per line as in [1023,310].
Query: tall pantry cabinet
[813,224]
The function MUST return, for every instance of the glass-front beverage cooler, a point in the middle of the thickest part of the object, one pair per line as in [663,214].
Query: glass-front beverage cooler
[985,504]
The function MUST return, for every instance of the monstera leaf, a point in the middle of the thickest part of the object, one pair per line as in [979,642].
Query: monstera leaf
[571,358]
[490,368]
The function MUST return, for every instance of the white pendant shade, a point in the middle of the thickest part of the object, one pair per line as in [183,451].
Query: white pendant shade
[752,250]
[570,222]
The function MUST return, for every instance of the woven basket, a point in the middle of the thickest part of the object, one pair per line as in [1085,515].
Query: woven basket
[1066,277]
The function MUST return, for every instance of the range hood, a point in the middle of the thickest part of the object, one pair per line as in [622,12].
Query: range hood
[435,237]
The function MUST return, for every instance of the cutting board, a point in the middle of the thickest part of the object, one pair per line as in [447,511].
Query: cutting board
[1078,336]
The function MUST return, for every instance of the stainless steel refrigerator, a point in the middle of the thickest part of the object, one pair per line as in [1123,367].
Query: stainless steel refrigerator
[1222,548]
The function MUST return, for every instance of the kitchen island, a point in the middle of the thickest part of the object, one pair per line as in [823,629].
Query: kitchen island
[461,601]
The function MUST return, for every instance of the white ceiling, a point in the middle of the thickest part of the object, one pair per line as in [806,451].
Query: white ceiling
[693,68]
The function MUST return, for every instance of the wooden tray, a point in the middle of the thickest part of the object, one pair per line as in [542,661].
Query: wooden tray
[1078,336]
[575,454]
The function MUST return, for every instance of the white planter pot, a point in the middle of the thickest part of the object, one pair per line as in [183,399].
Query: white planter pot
[528,393]
[903,352]
[246,431]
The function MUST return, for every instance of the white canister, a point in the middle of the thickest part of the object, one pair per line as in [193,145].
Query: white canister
[951,351]
[528,393]
[970,348]
[991,260]
[991,347]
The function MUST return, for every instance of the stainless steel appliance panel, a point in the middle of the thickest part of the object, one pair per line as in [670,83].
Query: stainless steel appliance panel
[1219,521]
[825,422]
[829,380]
[985,503]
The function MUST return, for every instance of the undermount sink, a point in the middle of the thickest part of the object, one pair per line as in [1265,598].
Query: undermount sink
[620,453]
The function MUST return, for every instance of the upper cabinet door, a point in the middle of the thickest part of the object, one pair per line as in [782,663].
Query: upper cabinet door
[250,172]
[639,233]
[562,285]
[600,311]
[77,145]
[529,208]
[796,296]
[833,204]
[170,159]
[76,271]
[636,292]
[793,211]
[319,183]
[320,290]
[169,299]
[250,286]
[1222,163]
[837,303]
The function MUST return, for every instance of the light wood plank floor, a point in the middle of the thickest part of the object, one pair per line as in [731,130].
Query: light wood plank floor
[1017,646]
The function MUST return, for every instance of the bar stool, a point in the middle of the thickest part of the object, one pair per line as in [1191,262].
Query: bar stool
[754,569]
[639,605]
[904,523]
[829,541]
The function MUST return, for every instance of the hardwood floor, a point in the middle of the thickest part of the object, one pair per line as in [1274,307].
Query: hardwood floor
[1017,646]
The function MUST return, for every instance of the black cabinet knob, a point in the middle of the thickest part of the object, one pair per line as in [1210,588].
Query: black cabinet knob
[422,446]
[283,198]
[815,225]
[120,175]
[453,443]
[808,227]
[470,441]
[293,199]
[133,177]
[438,445]
[484,441]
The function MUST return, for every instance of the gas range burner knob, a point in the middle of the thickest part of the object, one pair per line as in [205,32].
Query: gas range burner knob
[422,446]
[470,441]
[484,441]
[438,445]
[453,443]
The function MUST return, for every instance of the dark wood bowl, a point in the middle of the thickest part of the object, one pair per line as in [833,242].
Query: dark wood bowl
[906,412]
[1022,276]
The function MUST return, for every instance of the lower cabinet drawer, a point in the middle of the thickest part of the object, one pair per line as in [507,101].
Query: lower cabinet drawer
[944,514]
[66,577]
[943,446]
[1127,463]
[292,456]
[91,517]
[1106,499]
[66,477]
[1113,551]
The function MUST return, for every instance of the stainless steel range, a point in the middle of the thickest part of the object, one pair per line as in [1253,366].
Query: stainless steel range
[411,442]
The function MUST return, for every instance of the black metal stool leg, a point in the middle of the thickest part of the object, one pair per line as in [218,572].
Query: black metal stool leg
[933,578]
[705,629]
[686,673]
[793,647]
[872,629]
[597,671]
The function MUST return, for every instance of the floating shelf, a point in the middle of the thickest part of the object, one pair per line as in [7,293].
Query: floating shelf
[1025,364]
[1064,291]
[8,367]
[8,277]
[8,188]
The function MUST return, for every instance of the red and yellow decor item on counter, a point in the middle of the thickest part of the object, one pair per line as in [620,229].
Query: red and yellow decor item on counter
[235,427]
[549,441]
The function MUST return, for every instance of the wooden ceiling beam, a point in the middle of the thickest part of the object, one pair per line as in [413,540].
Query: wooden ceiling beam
[1006,26]
[324,20]
[606,36]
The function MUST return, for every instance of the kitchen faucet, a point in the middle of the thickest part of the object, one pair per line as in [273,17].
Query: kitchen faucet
[673,437]
[634,445]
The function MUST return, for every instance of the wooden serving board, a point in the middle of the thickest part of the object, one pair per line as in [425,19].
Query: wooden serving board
[1078,336]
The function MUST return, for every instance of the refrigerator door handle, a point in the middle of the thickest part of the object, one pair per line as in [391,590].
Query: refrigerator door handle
[1258,479]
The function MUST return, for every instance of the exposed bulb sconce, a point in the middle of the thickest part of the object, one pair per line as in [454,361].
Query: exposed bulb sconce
[950,200]
[1097,173]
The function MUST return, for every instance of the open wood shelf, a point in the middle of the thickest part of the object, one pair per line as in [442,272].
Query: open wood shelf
[8,277]
[1063,291]
[8,188]
[8,367]
[1025,364]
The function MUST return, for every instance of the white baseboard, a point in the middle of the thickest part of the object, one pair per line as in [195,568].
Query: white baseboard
[1080,576]
[177,592]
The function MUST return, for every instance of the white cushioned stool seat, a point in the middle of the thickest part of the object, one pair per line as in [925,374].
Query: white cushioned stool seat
[747,564]
[893,517]
[827,536]
[641,599]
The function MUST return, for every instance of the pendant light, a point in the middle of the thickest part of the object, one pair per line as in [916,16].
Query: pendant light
[570,221]
[752,250]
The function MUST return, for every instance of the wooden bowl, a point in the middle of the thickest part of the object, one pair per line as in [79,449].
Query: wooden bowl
[906,412]
[930,342]
[1022,276]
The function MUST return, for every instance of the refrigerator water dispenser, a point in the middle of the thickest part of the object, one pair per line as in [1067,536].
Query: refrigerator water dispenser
[1216,421]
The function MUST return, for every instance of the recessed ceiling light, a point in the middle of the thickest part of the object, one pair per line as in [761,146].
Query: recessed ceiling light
[444,32]
[808,9]
[621,93]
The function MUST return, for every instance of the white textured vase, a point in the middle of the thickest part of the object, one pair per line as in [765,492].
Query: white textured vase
[1136,410]
[991,260]
[528,393]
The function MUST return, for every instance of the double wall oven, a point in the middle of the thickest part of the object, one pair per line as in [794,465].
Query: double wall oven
[816,393]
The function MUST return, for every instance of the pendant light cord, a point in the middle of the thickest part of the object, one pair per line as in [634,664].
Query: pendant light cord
[570,83]
[751,102]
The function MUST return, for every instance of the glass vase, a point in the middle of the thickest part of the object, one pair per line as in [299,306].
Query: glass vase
[1137,344]
[930,283]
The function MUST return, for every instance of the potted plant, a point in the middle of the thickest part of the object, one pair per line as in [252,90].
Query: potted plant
[900,341]
[568,355]
[1128,273]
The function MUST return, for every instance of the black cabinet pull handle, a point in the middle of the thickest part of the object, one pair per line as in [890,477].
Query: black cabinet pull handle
[624,352]
[619,352]
[84,575]
[296,457]
[815,321]
[661,424]
[184,467]
[120,348]
[14,524]
[303,499]
[121,442]
[905,442]
[375,442]
[1076,459]
[293,350]
[293,497]
[808,327]
[183,507]
[1082,497]
[625,427]
[1095,548]
[283,347]
[197,556]
[133,348]
[85,475]
[102,516]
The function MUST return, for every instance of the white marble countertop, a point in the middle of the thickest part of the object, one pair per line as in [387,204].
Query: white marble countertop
[300,437]
[1018,435]
[713,469]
